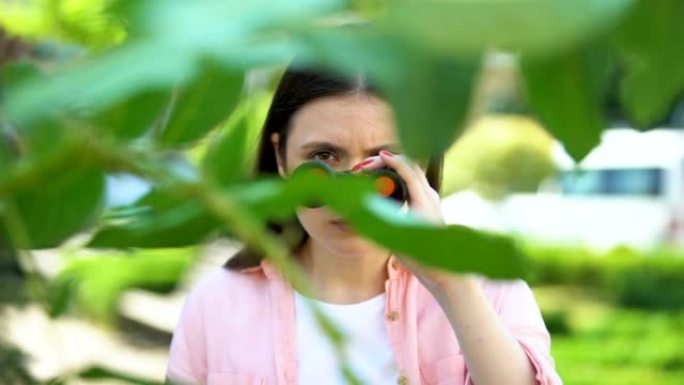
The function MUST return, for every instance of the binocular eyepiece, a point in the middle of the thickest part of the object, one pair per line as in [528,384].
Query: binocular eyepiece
[388,183]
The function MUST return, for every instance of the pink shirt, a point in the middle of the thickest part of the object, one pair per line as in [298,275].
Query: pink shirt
[238,328]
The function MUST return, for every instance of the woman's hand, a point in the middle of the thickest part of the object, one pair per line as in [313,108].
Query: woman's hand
[493,354]
[424,201]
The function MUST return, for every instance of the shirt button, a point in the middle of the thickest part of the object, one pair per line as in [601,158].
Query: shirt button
[402,380]
[392,316]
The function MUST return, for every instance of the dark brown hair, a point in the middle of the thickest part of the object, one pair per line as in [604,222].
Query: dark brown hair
[298,86]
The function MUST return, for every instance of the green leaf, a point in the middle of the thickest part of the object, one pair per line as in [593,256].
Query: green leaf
[159,219]
[94,283]
[651,47]
[91,86]
[42,140]
[273,199]
[429,92]
[15,77]
[133,116]
[534,27]
[163,55]
[431,102]
[9,152]
[202,104]
[13,74]
[56,206]
[128,13]
[568,93]
[451,247]
[100,373]
[230,157]
[164,219]
[62,296]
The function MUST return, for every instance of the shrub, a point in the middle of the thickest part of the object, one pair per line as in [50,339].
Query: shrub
[499,154]
[649,280]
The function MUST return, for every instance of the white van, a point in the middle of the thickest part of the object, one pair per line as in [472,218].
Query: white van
[628,191]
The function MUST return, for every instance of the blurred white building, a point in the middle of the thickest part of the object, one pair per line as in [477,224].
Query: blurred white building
[628,191]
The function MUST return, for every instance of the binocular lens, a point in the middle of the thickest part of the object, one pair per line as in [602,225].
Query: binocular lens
[388,183]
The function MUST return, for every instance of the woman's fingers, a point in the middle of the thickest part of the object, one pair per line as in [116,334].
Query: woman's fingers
[412,174]
[424,199]
[420,192]
[371,162]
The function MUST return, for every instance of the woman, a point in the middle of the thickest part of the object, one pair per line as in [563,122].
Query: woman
[404,323]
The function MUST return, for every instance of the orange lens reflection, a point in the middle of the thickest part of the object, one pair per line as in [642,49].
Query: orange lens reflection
[385,185]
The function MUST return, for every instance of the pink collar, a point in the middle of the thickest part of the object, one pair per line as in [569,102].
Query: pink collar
[394,268]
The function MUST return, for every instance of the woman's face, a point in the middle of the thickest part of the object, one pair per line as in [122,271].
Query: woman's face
[341,131]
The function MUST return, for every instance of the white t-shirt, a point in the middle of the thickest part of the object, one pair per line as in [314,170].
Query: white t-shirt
[368,345]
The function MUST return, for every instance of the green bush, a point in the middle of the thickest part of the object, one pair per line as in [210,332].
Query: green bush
[649,280]
[623,347]
[499,154]
[556,322]
[564,265]
[656,282]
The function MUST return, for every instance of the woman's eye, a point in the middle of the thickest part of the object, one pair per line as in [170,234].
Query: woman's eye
[322,155]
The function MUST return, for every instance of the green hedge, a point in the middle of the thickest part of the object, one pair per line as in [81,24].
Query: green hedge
[625,347]
[649,280]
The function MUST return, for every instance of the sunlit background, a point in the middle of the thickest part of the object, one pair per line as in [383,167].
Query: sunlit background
[604,237]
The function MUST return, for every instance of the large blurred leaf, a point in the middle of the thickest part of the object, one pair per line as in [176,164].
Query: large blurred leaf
[50,192]
[531,26]
[169,54]
[159,219]
[133,116]
[12,76]
[95,283]
[164,219]
[429,92]
[211,21]
[13,73]
[55,207]
[451,247]
[568,93]
[651,44]
[202,104]
[432,102]
[93,85]
[231,154]
[8,151]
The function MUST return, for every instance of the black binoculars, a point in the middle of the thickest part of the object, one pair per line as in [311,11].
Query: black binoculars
[388,183]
